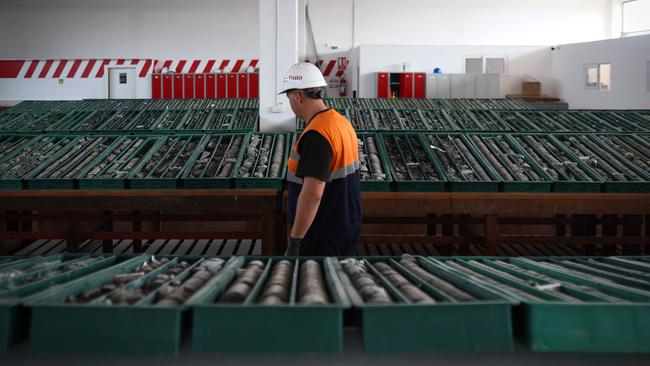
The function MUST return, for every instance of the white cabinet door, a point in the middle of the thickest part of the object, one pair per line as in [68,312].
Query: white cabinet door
[492,87]
[121,83]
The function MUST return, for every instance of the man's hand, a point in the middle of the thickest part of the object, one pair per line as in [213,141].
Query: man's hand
[293,247]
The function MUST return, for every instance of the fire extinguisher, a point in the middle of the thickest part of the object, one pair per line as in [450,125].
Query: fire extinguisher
[343,87]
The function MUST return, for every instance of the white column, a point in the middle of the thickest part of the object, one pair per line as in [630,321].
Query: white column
[278,51]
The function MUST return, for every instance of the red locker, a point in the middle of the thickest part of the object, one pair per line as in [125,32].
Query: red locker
[382,85]
[178,86]
[210,86]
[406,85]
[188,86]
[167,86]
[156,86]
[199,86]
[221,85]
[232,85]
[242,86]
[253,85]
[419,85]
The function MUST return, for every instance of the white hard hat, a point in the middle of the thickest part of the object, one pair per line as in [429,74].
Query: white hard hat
[303,75]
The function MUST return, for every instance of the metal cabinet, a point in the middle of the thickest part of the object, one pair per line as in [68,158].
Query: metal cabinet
[156,86]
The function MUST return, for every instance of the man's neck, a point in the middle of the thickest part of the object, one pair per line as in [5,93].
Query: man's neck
[313,110]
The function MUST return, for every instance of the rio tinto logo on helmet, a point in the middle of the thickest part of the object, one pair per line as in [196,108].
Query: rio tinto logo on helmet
[294,77]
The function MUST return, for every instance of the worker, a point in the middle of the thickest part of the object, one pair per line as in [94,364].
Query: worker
[323,172]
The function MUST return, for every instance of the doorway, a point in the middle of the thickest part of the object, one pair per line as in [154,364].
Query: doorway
[121,83]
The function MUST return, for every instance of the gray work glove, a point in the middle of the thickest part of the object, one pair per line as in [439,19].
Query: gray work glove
[293,247]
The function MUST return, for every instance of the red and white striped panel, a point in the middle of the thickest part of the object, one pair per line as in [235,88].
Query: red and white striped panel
[95,68]
[67,69]
[204,66]
[330,68]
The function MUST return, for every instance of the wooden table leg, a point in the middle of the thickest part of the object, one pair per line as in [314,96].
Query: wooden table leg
[646,249]
[137,226]
[610,228]
[632,227]
[72,232]
[157,226]
[268,234]
[491,235]
[585,225]
[464,230]
[560,229]
[447,230]
[107,244]
[431,227]
[282,232]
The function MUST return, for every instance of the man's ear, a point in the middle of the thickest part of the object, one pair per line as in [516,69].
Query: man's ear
[299,96]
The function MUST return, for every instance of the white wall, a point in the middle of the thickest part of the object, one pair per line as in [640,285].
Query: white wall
[531,60]
[64,88]
[346,24]
[278,51]
[222,29]
[120,29]
[628,57]
[70,29]
[349,23]
[353,71]
[65,29]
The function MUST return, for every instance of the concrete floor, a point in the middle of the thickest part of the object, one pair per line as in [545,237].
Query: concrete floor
[353,356]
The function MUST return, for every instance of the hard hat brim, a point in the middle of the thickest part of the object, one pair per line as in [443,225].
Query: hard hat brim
[308,87]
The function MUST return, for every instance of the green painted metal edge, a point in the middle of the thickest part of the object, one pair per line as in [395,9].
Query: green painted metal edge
[596,327]
[586,268]
[544,185]
[60,293]
[48,266]
[32,182]
[96,329]
[116,183]
[557,326]
[253,328]
[101,157]
[15,319]
[592,328]
[445,328]
[18,183]
[148,182]
[92,329]
[28,262]
[214,182]
[170,182]
[448,326]
[449,121]
[473,186]
[54,183]
[377,186]
[265,183]
[415,186]
[18,142]
[465,186]
[592,139]
[569,186]
[623,187]
[577,187]
[626,187]
[36,286]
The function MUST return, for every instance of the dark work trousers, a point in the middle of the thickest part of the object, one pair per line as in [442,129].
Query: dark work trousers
[331,242]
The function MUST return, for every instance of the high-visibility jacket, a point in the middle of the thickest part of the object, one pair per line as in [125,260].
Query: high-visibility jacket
[339,213]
